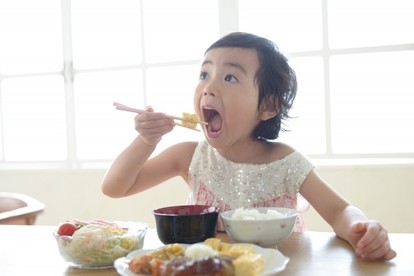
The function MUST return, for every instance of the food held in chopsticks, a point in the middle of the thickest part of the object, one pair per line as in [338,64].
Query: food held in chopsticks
[188,120]
[213,257]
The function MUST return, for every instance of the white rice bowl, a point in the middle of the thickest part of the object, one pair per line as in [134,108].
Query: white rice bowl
[263,226]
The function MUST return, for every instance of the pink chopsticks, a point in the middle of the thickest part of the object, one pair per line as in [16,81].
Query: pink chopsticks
[123,107]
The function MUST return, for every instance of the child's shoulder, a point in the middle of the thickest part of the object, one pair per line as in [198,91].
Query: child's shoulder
[290,156]
[278,150]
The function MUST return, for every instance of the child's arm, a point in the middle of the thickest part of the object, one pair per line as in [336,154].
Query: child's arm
[368,238]
[132,171]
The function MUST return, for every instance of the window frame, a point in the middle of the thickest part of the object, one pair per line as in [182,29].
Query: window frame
[228,22]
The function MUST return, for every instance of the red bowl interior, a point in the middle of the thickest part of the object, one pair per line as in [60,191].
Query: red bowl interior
[186,210]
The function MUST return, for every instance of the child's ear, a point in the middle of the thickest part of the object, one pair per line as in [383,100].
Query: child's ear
[268,110]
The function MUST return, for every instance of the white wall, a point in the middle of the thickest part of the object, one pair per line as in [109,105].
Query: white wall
[385,193]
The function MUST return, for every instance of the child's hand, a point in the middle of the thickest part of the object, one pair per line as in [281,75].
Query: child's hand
[152,126]
[370,241]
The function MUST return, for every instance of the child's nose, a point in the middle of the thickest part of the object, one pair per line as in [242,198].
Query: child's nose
[209,90]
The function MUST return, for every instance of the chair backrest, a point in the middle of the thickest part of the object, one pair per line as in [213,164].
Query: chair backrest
[17,208]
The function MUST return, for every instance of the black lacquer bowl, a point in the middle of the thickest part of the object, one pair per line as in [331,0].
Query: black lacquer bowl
[186,223]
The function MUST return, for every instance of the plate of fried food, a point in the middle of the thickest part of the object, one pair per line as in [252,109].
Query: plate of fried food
[211,257]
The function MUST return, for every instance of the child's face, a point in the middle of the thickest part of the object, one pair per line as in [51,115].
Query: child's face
[227,95]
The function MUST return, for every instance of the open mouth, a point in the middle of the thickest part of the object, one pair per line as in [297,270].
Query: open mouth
[214,120]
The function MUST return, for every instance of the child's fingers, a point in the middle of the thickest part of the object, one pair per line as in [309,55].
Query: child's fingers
[355,233]
[371,241]
[382,253]
[391,254]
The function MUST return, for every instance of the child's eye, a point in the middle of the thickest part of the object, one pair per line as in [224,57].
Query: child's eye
[230,78]
[203,75]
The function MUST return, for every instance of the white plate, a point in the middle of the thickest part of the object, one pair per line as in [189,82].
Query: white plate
[274,260]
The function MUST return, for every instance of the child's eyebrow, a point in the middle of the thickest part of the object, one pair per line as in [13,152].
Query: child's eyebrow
[236,65]
[228,64]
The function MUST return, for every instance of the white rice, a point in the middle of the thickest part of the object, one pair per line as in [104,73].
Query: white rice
[243,214]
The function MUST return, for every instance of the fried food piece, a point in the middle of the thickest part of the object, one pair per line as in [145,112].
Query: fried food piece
[149,264]
[237,251]
[190,120]
[168,252]
[232,250]
[214,243]
[140,264]
[145,264]
[249,264]
[245,260]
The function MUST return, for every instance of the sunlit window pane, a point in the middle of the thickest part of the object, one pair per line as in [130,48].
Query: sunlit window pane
[355,23]
[1,139]
[106,33]
[372,103]
[294,25]
[34,119]
[31,36]
[179,30]
[171,90]
[101,130]
[307,127]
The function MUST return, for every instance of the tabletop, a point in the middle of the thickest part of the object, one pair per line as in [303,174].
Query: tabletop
[32,250]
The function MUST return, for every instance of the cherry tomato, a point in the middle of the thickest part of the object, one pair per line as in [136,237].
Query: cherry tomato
[67,229]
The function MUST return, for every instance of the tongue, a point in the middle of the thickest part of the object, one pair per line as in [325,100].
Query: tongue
[215,123]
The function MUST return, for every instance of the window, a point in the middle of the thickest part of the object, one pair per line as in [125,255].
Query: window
[354,61]
[63,63]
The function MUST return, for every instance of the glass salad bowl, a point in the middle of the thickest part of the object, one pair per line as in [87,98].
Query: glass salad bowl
[97,244]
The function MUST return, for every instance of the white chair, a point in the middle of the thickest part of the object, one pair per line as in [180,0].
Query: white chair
[17,208]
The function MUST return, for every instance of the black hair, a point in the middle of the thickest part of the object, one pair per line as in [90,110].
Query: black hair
[275,78]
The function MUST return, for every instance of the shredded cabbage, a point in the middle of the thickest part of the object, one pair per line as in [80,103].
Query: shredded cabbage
[95,245]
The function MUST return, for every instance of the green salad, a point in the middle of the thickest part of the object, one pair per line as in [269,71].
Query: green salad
[98,245]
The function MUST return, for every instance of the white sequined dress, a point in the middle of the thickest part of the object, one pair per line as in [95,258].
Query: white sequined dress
[217,181]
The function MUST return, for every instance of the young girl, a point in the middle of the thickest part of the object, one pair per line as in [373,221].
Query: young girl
[245,91]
